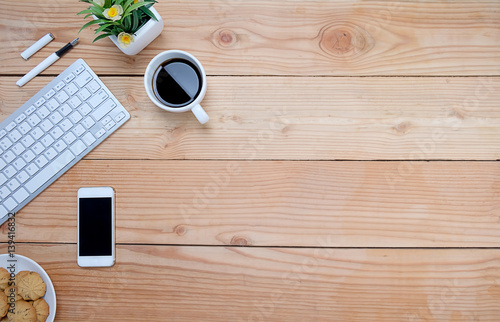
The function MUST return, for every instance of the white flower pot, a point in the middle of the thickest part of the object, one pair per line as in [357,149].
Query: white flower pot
[144,36]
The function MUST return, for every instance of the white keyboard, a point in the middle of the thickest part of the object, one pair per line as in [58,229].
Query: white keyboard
[52,131]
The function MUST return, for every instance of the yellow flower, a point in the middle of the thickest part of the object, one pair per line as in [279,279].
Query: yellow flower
[113,13]
[125,39]
[135,1]
[100,3]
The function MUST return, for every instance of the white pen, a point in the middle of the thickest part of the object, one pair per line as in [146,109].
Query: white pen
[46,63]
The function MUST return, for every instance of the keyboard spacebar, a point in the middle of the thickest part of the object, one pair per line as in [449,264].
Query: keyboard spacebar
[43,176]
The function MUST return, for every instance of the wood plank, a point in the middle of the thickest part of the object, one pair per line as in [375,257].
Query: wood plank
[233,37]
[302,118]
[256,284]
[280,203]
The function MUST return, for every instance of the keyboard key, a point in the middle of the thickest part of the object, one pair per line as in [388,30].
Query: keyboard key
[3,133]
[22,176]
[38,148]
[62,97]
[88,122]
[103,110]
[46,174]
[52,104]
[79,130]
[100,133]
[47,140]
[65,109]
[74,102]
[43,112]
[12,125]
[66,125]
[9,156]
[5,143]
[59,86]
[50,153]
[119,117]
[49,94]
[18,148]
[109,125]
[55,117]
[33,120]
[80,69]
[56,132]
[4,192]
[71,89]
[15,135]
[75,117]
[10,204]
[69,138]
[32,169]
[3,178]
[30,110]
[20,118]
[60,146]
[93,86]
[21,195]
[19,164]
[83,79]
[4,214]
[27,140]
[13,184]
[84,94]
[40,102]
[106,120]
[85,109]
[69,77]
[46,125]
[88,138]
[2,164]
[98,98]
[9,171]
[78,147]
[37,133]
[28,156]
[41,161]
[24,127]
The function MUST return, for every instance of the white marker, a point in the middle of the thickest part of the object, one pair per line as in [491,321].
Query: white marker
[46,63]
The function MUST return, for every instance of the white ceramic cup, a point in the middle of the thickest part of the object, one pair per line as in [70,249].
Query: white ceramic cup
[194,106]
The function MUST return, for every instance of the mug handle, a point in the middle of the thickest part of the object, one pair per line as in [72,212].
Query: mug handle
[200,114]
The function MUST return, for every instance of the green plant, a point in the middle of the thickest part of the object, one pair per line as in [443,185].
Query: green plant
[120,18]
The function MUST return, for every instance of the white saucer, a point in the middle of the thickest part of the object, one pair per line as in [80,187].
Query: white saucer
[25,264]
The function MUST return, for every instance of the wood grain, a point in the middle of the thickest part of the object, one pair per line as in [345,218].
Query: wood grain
[159,283]
[318,169]
[280,203]
[306,118]
[233,37]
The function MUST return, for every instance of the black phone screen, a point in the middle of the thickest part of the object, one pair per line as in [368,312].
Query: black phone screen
[95,226]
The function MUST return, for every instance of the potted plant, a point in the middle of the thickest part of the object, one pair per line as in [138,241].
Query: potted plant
[130,24]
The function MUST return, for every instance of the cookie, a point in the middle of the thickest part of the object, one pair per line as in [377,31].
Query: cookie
[23,312]
[30,286]
[20,275]
[12,294]
[42,310]
[4,305]
[4,278]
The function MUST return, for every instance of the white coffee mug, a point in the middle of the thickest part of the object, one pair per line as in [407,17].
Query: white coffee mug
[194,106]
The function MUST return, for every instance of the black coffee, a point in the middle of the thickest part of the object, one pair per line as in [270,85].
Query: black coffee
[177,82]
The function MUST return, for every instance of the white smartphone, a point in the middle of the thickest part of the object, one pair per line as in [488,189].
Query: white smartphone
[96,227]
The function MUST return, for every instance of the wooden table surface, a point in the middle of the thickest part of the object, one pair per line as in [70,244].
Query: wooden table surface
[349,170]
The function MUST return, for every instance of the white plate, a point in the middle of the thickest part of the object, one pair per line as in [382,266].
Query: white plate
[25,264]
